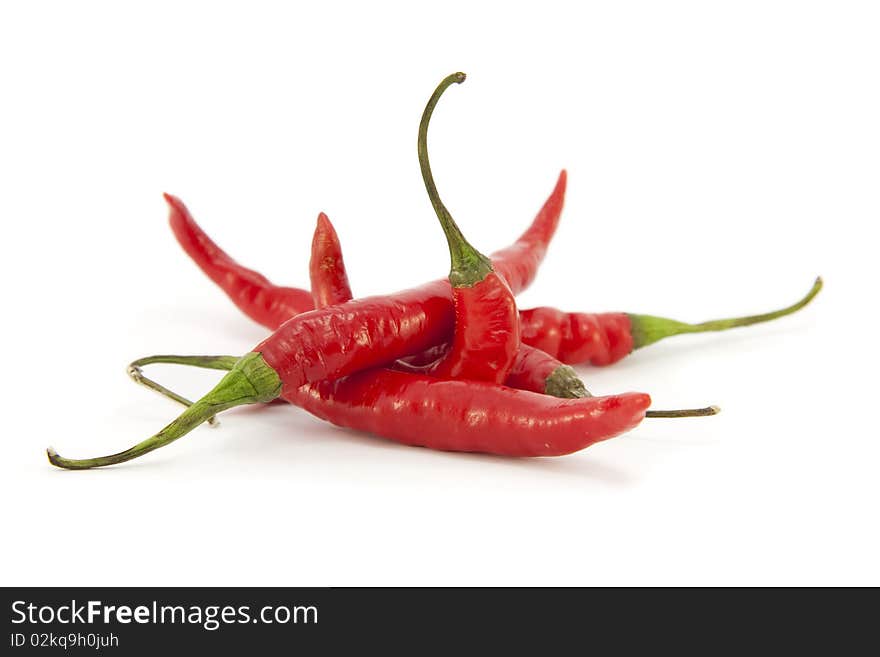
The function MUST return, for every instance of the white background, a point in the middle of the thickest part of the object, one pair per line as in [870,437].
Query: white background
[720,155]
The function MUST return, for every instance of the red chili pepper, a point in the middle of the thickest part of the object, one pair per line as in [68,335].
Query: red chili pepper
[265,303]
[486,335]
[602,339]
[468,416]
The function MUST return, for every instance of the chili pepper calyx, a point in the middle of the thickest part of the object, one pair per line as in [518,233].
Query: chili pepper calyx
[648,329]
[250,381]
[565,383]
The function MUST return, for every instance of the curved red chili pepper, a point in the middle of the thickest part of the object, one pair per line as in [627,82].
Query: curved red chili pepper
[602,339]
[468,416]
[265,303]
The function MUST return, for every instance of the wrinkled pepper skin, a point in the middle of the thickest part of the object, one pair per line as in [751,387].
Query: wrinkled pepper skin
[338,340]
[468,416]
[576,338]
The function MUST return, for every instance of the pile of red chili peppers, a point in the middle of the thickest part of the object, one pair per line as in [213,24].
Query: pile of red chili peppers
[451,365]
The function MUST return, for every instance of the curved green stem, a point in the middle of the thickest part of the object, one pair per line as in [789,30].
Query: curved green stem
[250,381]
[209,362]
[206,362]
[686,412]
[469,266]
[647,329]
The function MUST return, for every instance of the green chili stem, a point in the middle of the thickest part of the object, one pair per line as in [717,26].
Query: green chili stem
[686,412]
[647,329]
[210,362]
[250,381]
[469,266]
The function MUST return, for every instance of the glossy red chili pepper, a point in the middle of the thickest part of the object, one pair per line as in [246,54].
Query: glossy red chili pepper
[468,416]
[265,303]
